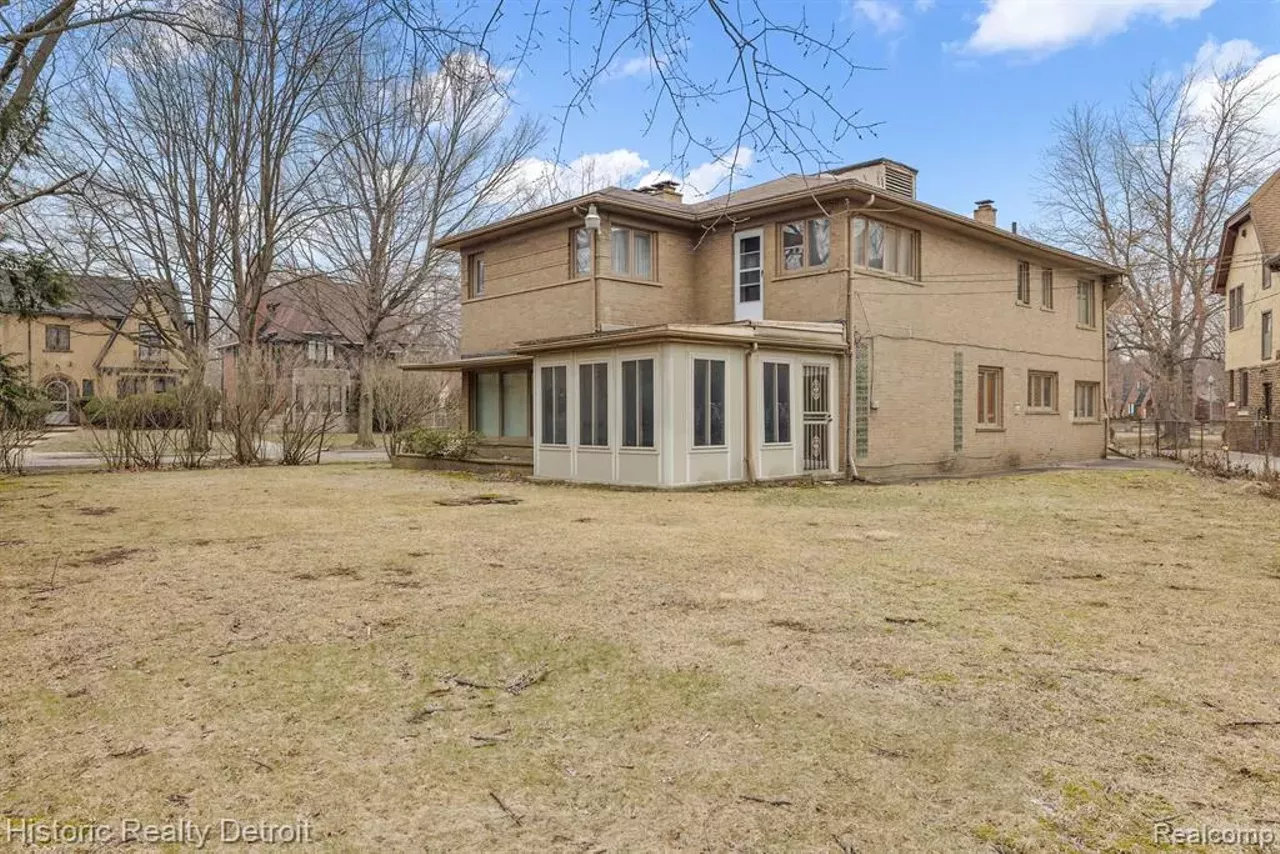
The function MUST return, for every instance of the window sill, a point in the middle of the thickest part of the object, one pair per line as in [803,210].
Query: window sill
[1085,421]
[1021,304]
[985,429]
[1041,412]
[708,449]
[1048,309]
[595,449]
[57,351]
[806,273]
[776,446]
[891,277]
[552,446]
[1087,328]
[637,450]
[630,280]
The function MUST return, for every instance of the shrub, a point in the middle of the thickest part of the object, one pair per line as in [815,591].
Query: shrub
[443,444]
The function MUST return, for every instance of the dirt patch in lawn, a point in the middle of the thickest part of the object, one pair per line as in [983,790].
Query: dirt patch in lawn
[1021,664]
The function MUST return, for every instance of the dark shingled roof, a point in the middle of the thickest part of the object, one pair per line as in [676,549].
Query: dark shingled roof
[105,297]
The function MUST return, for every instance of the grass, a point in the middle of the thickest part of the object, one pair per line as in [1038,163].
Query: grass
[1036,663]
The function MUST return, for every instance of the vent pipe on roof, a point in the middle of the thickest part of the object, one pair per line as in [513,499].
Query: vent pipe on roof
[985,212]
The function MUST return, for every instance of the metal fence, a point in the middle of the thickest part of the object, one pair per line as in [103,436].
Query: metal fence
[1250,442]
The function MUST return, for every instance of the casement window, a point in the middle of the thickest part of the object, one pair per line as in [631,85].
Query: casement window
[708,403]
[580,252]
[87,389]
[150,344]
[593,404]
[475,273]
[319,352]
[637,403]
[777,403]
[1086,303]
[632,252]
[1244,388]
[500,403]
[806,243]
[1086,406]
[57,339]
[1042,391]
[1046,289]
[990,397]
[555,405]
[1235,307]
[880,246]
[1024,283]
[1267,352]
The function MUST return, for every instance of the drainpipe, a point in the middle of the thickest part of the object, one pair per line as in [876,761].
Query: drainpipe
[595,285]
[747,432]
[30,358]
[851,467]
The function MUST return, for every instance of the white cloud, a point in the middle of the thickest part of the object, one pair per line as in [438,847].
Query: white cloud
[636,66]
[884,15]
[923,5]
[1215,59]
[546,182]
[1050,25]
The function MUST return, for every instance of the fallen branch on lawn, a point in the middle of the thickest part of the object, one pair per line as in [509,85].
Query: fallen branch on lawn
[511,815]
[770,802]
[1253,723]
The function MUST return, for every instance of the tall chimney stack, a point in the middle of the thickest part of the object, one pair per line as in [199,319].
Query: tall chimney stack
[985,212]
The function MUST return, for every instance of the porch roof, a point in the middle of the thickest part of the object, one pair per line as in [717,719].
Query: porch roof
[820,337]
[488,360]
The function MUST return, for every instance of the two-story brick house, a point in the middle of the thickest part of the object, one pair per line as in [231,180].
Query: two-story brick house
[809,325]
[1248,275]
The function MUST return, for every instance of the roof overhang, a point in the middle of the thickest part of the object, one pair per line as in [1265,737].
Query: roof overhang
[495,360]
[1226,247]
[807,337]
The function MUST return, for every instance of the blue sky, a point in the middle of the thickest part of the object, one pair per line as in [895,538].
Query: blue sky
[967,92]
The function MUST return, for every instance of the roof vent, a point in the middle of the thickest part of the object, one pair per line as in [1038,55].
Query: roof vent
[899,180]
[667,189]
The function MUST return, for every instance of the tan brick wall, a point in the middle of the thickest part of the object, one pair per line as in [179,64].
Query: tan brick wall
[1244,345]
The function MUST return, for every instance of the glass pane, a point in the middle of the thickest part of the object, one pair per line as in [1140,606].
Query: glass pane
[644,254]
[891,259]
[793,258]
[699,402]
[548,406]
[770,402]
[907,253]
[875,246]
[620,241]
[750,244]
[586,427]
[562,405]
[515,404]
[717,402]
[784,403]
[750,293]
[582,252]
[819,241]
[630,391]
[601,400]
[646,403]
[859,241]
[793,234]
[487,395]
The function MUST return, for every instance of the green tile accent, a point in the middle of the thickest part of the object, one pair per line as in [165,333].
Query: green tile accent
[957,413]
[862,396]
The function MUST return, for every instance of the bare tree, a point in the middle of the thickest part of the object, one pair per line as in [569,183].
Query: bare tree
[1147,189]
[417,150]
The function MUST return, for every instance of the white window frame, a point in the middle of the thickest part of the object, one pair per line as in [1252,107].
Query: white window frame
[747,309]
[631,232]
[983,372]
[568,408]
[1094,399]
[859,248]
[694,438]
[766,404]
[597,408]
[1034,401]
[652,359]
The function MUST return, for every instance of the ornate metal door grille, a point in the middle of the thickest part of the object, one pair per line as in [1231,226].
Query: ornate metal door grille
[817,417]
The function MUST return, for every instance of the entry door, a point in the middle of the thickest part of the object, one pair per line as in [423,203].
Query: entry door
[59,394]
[748,275]
[817,417]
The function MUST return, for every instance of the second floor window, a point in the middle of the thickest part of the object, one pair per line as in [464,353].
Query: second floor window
[57,338]
[806,243]
[475,274]
[1267,352]
[150,344]
[319,352]
[581,249]
[632,252]
[1086,308]
[1235,307]
[1024,283]
[1046,289]
[880,246]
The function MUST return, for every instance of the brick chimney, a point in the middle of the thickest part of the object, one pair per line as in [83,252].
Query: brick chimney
[985,212]
[668,190]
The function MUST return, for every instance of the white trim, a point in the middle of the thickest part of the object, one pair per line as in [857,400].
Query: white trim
[753,310]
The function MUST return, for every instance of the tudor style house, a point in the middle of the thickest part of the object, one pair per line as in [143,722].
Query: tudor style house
[103,342]
[1248,275]
[820,325]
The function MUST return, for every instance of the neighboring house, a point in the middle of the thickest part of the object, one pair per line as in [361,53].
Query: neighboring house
[1248,275]
[809,325]
[102,342]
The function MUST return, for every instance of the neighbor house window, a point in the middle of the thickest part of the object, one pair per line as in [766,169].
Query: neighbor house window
[1086,307]
[632,252]
[57,338]
[1086,400]
[1244,388]
[1235,307]
[1231,386]
[777,402]
[1266,277]
[581,252]
[475,273]
[555,405]
[708,402]
[87,389]
[150,344]
[1046,289]
[500,403]
[1267,352]
[593,404]
[990,397]
[1024,283]
[319,352]
[880,246]
[1266,400]
[806,243]
[1042,391]
[637,403]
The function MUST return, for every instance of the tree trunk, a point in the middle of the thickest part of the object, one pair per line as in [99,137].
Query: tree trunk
[364,437]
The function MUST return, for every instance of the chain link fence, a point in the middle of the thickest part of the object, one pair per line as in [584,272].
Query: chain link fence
[1250,443]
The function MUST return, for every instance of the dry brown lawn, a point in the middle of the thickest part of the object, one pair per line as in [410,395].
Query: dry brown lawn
[1039,663]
